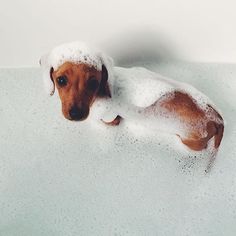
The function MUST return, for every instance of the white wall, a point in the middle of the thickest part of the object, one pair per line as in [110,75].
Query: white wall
[196,30]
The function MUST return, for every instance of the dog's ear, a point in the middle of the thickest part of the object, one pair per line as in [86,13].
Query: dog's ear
[47,75]
[106,84]
[104,90]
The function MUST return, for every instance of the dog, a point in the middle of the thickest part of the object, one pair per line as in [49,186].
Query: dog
[90,85]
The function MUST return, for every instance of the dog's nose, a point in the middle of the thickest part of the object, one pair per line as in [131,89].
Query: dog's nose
[76,113]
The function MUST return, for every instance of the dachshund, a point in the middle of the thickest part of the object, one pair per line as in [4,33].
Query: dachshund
[86,78]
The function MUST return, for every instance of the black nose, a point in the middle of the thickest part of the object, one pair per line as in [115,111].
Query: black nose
[76,113]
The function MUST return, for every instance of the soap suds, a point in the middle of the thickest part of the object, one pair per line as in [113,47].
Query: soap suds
[75,52]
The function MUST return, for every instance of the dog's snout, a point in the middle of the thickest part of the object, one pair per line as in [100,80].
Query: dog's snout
[76,113]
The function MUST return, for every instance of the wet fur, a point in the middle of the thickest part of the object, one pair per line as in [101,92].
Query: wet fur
[179,103]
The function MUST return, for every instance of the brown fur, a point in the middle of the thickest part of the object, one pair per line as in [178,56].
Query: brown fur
[188,112]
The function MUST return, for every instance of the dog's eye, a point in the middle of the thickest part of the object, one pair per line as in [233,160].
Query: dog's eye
[62,80]
[92,83]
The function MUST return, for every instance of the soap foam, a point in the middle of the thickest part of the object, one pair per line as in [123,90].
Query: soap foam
[75,52]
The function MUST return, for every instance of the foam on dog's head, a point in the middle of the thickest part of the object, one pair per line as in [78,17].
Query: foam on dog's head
[77,53]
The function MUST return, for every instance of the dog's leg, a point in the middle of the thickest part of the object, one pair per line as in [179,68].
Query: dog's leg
[213,130]
[115,122]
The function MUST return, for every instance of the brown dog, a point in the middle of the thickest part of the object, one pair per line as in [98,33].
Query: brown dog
[81,83]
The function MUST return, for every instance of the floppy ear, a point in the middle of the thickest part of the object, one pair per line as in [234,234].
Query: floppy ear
[107,76]
[104,90]
[47,70]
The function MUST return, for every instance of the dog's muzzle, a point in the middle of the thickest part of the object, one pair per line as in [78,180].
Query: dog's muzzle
[77,113]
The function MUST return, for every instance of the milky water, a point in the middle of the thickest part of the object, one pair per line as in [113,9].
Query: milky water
[59,177]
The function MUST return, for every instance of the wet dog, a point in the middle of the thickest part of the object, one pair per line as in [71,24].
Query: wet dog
[86,78]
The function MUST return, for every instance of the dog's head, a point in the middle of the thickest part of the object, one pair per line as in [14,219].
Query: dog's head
[79,75]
